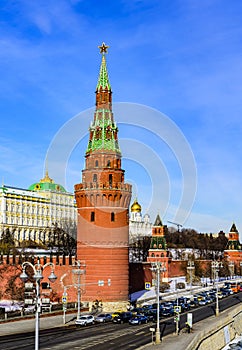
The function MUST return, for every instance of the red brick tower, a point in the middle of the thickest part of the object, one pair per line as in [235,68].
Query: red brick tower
[233,253]
[102,202]
[158,250]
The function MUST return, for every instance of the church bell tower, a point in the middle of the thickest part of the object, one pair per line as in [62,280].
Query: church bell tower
[103,200]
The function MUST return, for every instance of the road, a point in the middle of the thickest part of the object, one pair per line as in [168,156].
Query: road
[107,336]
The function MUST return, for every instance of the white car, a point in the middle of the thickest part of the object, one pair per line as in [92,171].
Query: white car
[85,320]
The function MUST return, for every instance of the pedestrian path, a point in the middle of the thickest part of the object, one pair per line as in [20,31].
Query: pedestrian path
[178,342]
[14,326]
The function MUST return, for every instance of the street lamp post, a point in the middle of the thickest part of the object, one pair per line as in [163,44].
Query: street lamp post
[190,268]
[38,276]
[158,268]
[216,266]
[81,270]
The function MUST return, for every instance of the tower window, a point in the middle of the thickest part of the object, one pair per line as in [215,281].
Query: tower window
[112,216]
[110,179]
[92,216]
[108,163]
[94,177]
[96,163]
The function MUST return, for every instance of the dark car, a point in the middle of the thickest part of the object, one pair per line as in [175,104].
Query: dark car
[123,317]
[138,319]
[138,311]
[167,311]
[150,315]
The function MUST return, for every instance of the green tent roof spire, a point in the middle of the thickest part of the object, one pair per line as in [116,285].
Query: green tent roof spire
[103,129]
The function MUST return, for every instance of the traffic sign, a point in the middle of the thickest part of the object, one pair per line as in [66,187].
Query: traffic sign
[147,285]
[64,299]
[177,309]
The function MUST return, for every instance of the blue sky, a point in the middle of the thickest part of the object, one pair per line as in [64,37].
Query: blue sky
[181,58]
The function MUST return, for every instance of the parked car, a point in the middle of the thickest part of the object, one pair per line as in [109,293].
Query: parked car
[123,317]
[102,318]
[138,319]
[85,320]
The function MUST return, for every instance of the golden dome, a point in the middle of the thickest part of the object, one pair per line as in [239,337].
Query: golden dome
[136,207]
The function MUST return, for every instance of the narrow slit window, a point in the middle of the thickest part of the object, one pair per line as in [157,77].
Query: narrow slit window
[110,179]
[92,216]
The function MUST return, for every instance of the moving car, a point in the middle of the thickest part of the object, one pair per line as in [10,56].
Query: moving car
[138,319]
[167,311]
[84,320]
[102,318]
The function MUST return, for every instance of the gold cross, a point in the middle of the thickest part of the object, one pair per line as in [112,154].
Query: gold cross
[103,48]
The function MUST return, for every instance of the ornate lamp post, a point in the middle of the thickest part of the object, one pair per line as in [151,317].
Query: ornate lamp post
[216,265]
[158,268]
[81,270]
[190,268]
[38,276]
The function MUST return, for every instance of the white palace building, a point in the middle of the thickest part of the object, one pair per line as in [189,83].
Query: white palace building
[31,213]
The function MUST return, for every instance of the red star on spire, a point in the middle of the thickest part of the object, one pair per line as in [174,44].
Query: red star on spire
[103,48]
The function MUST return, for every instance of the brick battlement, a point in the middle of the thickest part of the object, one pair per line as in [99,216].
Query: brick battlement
[55,259]
[85,186]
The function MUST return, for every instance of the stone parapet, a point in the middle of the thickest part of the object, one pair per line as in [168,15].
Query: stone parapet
[216,335]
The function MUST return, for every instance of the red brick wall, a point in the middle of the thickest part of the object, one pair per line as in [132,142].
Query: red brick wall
[63,272]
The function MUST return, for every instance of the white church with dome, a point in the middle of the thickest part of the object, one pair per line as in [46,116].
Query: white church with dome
[139,226]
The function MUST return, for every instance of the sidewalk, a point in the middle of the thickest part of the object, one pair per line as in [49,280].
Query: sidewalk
[177,342]
[14,326]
